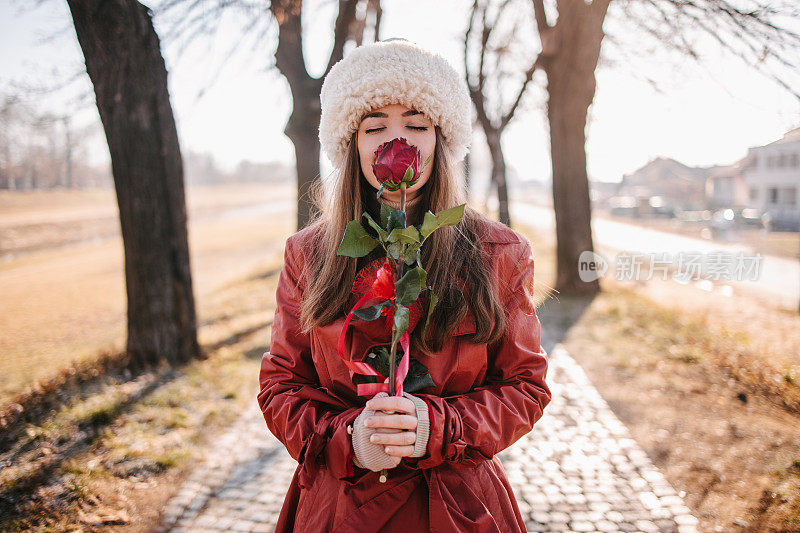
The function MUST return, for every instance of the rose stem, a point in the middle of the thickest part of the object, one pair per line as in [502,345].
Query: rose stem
[393,354]
[400,261]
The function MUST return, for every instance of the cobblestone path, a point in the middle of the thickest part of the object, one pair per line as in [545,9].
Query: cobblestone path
[578,470]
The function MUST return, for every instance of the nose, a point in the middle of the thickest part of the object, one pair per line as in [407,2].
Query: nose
[392,131]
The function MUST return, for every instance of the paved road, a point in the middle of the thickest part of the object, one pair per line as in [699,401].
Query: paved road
[578,470]
[779,278]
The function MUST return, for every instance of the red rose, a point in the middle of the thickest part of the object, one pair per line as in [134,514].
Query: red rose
[379,276]
[383,286]
[392,161]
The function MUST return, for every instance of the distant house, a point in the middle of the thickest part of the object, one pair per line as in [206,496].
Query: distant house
[677,184]
[772,177]
[601,191]
[725,185]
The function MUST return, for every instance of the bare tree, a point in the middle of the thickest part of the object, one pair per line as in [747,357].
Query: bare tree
[303,125]
[490,61]
[38,149]
[354,18]
[11,123]
[123,60]
[569,57]
[756,31]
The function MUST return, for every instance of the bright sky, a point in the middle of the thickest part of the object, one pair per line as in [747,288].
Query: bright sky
[702,116]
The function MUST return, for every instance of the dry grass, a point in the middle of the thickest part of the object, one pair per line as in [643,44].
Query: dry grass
[690,394]
[117,444]
[63,305]
[115,453]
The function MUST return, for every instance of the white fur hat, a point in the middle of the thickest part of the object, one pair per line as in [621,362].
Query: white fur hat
[394,71]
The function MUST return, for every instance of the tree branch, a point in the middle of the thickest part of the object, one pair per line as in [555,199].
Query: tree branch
[341,32]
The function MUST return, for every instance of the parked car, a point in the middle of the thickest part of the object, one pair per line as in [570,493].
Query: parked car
[746,217]
[623,205]
[781,221]
[640,206]
[725,222]
[657,207]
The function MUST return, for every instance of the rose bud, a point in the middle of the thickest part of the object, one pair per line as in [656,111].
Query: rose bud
[396,162]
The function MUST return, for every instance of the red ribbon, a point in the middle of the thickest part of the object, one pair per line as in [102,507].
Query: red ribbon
[362,368]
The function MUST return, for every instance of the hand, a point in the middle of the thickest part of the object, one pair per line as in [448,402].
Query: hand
[396,431]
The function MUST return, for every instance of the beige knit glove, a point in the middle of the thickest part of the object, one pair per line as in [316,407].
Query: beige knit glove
[372,456]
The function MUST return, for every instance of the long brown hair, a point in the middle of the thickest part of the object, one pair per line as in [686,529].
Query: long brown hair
[330,277]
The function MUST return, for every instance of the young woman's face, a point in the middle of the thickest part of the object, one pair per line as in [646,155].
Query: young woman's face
[386,123]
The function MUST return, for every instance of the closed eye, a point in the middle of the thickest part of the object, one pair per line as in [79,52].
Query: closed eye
[418,128]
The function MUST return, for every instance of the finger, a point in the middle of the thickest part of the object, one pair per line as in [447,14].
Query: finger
[395,459]
[392,421]
[392,403]
[388,430]
[401,438]
[399,451]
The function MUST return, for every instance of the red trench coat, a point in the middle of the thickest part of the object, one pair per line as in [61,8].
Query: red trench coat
[486,397]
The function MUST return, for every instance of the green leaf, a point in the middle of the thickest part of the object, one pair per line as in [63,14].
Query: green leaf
[395,249]
[401,315]
[450,217]
[418,376]
[429,223]
[434,300]
[412,256]
[379,360]
[408,235]
[381,232]
[397,219]
[408,287]
[390,185]
[426,163]
[356,242]
[408,175]
[386,210]
[373,311]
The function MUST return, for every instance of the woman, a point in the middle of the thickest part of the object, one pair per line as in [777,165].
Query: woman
[483,344]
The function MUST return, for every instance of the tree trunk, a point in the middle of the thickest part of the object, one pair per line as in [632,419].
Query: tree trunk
[303,125]
[499,174]
[68,149]
[571,87]
[124,62]
[302,130]
[570,193]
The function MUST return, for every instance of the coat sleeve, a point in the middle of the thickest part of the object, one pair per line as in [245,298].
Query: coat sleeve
[304,416]
[472,427]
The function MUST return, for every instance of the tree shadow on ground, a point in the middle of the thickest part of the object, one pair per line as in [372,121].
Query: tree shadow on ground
[558,314]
